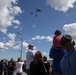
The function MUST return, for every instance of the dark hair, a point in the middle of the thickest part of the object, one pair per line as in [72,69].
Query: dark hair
[44,58]
[19,58]
[30,45]
[11,59]
[57,32]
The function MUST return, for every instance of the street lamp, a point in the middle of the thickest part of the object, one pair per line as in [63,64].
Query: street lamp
[21,34]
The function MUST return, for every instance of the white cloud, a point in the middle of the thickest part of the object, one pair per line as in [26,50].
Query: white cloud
[47,38]
[9,44]
[38,37]
[11,36]
[25,45]
[1,45]
[13,44]
[16,47]
[15,10]
[70,29]
[3,30]
[8,11]
[61,5]
[15,27]
[16,21]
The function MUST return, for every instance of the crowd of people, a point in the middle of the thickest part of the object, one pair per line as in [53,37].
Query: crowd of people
[11,66]
[35,64]
[62,52]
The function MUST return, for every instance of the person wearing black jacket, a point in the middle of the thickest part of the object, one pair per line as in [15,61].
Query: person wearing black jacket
[1,67]
[11,67]
[37,66]
[24,66]
[47,65]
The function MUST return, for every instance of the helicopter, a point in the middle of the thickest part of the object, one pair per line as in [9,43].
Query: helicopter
[38,10]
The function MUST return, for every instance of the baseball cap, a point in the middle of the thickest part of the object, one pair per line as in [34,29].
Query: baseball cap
[65,40]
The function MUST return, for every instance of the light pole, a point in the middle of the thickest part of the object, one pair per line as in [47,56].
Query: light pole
[21,34]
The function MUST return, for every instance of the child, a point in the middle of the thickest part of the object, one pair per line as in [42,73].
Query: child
[56,39]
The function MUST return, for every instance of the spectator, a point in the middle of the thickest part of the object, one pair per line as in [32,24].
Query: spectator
[56,52]
[11,67]
[2,66]
[47,65]
[68,62]
[37,66]
[19,65]
[5,67]
[29,57]
[56,39]
[24,67]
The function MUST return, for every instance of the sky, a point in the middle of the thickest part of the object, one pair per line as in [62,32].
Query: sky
[37,28]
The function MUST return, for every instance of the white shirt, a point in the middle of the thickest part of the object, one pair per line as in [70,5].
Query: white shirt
[29,57]
[19,67]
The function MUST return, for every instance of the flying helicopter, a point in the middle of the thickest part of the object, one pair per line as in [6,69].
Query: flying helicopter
[31,12]
[38,10]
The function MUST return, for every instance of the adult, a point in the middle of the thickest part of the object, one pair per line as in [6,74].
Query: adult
[29,57]
[24,67]
[37,66]
[47,65]
[68,62]
[19,65]
[2,66]
[11,67]
[5,66]
[56,52]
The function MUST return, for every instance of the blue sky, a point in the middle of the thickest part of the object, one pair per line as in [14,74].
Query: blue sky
[15,16]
